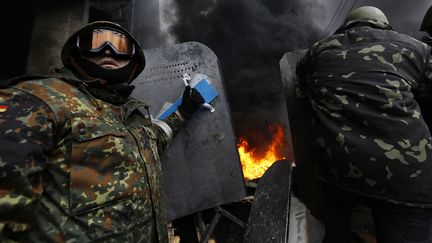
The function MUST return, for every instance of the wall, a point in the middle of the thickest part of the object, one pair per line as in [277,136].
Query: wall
[54,22]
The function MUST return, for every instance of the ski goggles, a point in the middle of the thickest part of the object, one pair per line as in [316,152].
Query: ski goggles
[95,41]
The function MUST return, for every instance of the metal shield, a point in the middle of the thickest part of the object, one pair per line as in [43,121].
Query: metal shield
[201,167]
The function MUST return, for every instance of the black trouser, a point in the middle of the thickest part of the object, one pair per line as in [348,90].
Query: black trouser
[393,223]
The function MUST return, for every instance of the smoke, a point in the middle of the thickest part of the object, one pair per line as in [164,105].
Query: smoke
[249,37]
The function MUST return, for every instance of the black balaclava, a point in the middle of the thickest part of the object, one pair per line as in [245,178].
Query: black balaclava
[111,76]
[111,85]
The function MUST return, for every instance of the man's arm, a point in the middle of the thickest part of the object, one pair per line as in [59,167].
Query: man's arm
[423,92]
[191,101]
[26,135]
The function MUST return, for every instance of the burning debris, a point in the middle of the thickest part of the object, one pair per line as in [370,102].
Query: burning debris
[258,154]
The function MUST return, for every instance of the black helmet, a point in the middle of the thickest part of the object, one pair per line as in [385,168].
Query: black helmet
[427,21]
[70,51]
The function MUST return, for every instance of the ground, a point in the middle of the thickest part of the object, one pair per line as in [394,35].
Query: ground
[227,231]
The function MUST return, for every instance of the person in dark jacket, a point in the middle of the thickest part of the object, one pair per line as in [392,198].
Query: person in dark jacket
[79,157]
[377,148]
[425,102]
[427,27]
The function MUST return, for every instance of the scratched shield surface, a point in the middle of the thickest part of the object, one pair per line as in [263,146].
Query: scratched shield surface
[201,166]
[306,156]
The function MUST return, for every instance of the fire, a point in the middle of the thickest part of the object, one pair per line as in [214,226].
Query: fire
[253,164]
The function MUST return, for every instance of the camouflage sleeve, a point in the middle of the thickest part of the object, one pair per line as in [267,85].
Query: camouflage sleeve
[168,128]
[175,121]
[423,93]
[26,134]
[428,74]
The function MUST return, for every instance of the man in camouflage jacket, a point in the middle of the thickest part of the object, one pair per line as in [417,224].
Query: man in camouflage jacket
[79,158]
[361,83]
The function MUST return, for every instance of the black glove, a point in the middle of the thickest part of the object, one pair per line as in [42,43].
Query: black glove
[191,101]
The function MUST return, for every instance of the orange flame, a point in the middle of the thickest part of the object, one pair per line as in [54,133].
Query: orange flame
[255,165]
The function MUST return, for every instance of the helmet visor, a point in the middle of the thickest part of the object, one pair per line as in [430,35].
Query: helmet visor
[95,41]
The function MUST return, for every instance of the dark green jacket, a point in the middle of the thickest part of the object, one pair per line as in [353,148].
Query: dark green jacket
[362,83]
[78,169]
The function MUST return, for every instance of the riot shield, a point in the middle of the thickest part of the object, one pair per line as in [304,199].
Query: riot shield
[270,212]
[276,215]
[307,187]
[201,167]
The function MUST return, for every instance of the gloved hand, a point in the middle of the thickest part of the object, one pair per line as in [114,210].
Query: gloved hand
[191,101]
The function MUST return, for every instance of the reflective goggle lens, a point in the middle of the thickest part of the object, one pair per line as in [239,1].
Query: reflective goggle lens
[96,40]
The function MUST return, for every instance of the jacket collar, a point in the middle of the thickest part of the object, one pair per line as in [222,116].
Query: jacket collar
[367,22]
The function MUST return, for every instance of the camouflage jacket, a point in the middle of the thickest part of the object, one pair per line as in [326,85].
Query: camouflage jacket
[362,83]
[78,169]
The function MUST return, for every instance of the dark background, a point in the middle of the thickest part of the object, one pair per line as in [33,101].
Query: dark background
[248,36]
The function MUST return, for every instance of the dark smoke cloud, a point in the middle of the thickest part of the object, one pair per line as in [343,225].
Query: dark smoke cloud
[249,37]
